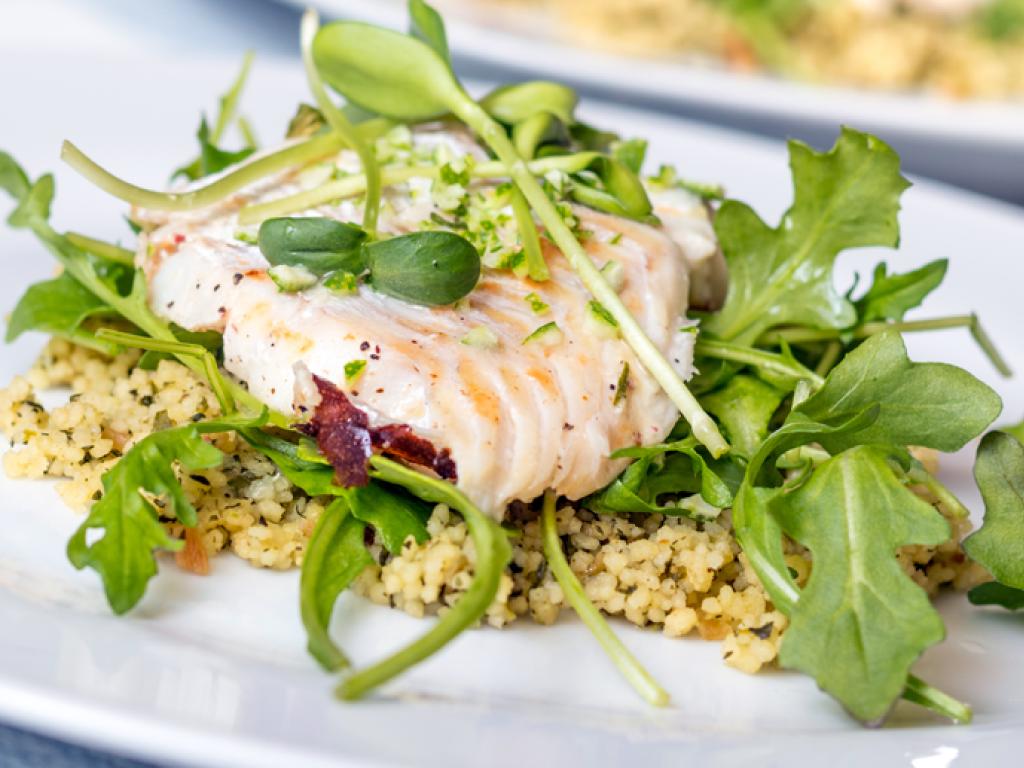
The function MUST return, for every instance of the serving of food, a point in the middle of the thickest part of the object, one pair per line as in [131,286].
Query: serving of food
[957,48]
[469,359]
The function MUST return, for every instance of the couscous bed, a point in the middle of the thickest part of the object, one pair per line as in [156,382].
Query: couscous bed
[672,574]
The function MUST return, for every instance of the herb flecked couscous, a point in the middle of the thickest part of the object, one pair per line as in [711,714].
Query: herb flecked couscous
[670,573]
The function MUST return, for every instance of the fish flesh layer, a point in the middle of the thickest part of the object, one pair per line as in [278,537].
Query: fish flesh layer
[518,418]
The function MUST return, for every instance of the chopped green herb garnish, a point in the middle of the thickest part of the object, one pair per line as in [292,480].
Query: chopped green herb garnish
[354,369]
[547,335]
[537,305]
[622,385]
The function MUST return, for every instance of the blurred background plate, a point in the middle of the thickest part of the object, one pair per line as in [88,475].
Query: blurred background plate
[975,144]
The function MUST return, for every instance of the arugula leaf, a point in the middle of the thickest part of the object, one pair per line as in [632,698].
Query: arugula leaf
[930,404]
[58,306]
[335,556]
[891,296]
[861,622]
[124,557]
[211,158]
[994,593]
[744,407]
[395,515]
[13,179]
[845,198]
[34,204]
[653,474]
[999,543]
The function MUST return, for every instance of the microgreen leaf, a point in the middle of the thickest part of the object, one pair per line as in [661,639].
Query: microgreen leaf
[861,622]
[334,558]
[845,198]
[426,24]
[511,104]
[384,71]
[432,268]
[891,296]
[319,244]
[999,543]
[930,404]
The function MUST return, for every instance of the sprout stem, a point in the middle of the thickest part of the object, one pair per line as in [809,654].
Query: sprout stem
[919,692]
[625,661]
[179,349]
[769,361]
[252,171]
[971,322]
[356,184]
[341,125]
[703,426]
[104,250]
[492,554]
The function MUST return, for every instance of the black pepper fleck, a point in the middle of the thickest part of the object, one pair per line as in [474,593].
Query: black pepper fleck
[364,346]
[237,278]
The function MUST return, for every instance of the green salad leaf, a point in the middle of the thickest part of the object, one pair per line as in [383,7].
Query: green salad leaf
[335,556]
[212,159]
[58,307]
[744,407]
[999,543]
[994,593]
[930,404]
[132,531]
[845,198]
[891,296]
[396,515]
[861,622]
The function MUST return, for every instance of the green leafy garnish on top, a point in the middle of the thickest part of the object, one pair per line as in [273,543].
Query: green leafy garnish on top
[845,198]
[999,543]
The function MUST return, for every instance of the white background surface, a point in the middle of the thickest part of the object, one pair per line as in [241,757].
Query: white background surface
[213,671]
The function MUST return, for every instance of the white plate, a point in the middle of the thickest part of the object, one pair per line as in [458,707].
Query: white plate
[973,143]
[213,671]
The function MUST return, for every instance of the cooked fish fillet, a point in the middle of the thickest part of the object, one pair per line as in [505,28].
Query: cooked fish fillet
[519,418]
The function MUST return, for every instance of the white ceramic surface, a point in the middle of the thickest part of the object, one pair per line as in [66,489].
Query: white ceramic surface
[213,671]
[973,143]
